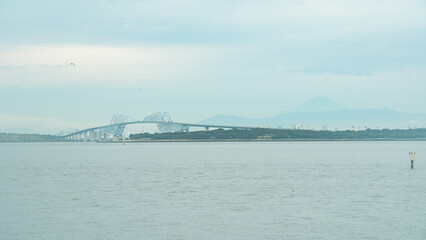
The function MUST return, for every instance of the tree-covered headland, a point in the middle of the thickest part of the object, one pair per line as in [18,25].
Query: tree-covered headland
[13,137]
[285,134]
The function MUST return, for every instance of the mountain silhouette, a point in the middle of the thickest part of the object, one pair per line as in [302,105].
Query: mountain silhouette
[320,111]
[319,104]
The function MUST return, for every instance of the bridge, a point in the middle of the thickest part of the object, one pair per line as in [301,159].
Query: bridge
[114,131]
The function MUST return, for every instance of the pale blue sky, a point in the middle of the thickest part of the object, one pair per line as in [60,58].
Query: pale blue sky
[196,59]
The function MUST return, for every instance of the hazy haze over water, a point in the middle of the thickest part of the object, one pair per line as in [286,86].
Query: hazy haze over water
[280,190]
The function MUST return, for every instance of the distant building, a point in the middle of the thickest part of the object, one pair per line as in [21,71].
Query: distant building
[324,128]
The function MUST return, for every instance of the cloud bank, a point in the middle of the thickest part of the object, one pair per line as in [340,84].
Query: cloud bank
[246,58]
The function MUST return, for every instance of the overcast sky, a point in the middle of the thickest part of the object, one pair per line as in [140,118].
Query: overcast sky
[196,59]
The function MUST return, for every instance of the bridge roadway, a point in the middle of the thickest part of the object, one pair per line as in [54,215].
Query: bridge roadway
[206,126]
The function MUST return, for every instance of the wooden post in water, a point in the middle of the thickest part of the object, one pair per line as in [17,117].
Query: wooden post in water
[412,158]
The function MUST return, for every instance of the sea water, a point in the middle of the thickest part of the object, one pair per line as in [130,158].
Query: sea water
[228,190]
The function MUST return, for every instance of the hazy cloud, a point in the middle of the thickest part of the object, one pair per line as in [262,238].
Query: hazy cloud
[27,124]
[6,67]
[244,57]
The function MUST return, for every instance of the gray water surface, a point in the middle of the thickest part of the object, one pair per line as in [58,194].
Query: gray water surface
[266,190]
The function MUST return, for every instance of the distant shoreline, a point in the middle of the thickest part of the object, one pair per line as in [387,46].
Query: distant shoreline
[231,140]
[277,135]
[253,135]
[269,140]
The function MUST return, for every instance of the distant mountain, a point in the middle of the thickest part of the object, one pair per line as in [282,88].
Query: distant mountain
[319,104]
[319,112]
[230,120]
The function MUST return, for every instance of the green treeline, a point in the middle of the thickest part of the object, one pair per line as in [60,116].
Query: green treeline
[286,134]
[12,137]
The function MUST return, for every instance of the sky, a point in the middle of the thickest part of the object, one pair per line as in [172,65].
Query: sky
[196,59]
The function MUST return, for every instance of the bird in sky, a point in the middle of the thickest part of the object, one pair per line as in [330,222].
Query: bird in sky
[72,64]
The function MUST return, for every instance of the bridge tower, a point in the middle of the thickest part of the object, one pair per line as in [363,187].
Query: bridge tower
[117,125]
[165,123]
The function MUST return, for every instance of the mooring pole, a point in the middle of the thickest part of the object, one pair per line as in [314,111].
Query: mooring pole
[412,158]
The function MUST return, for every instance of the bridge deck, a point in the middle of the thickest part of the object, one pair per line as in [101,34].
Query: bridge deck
[179,123]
